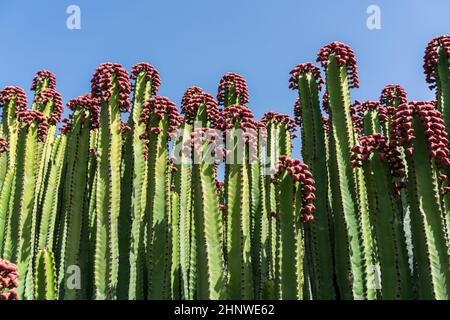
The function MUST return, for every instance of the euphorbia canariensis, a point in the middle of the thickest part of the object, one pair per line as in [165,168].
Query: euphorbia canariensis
[419,129]
[232,90]
[279,130]
[9,281]
[306,79]
[384,177]
[295,195]
[161,119]
[45,276]
[146,83]
[111,87]
[339,63]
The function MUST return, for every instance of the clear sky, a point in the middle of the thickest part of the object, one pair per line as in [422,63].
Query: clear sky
[195,42]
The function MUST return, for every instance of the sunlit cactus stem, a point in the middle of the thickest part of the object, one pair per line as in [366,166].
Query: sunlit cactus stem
[146,84]
[75,201]
[240,134]
[20,231]
[45,276]
[339,63]
[419,129]
[307,80]
[161,118]
[110,85]
[295,194]
[12,101]
[383,173]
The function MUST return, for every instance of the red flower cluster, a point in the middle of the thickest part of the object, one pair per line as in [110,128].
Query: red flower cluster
[193,98]
[41,76]
[241,114]
[89,104]
[433,124]
[302,69]
[159,107]
[325,102]
[151,74]
[358,111]
[211,136]
[51,95]
[124,127]
[390,93]
[3,146]
[14,93]
[278,118]
[344,56]
[237,82]
[300,173]
[376,143]
[326,123]
[431,58]
[101,84]
[9,281]
[30,116]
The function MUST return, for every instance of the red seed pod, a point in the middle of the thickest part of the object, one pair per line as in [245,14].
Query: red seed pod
[193,98]
[41,76]
[88,104]
[378,144]
[30,116]
[237,82]
[344,56]
[402,131]
[303,69]
[47,96]
[9,281]
[3,146]
[159,107]
[284,119]
[102,85]
[358,112]
[14,93]
[390,93]
[124,127]
[431,58]
[151,74]
[300,173]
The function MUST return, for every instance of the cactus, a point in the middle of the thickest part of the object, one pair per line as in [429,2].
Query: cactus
[307,80]
[240,140]
[161,118]
[341,74]
[419,129]
[295,193]
[75,198]
[9,281]
[146,84]
[45,276]
[110,84]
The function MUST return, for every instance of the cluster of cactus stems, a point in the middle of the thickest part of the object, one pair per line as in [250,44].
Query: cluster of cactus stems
[114,209]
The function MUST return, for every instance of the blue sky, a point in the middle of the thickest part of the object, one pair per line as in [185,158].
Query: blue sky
[195,42]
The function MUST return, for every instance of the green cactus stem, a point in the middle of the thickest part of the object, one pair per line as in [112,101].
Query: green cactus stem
[339,63]
[383,172]
[240,134]
[146,84]
[161,118]
[20,231]
[45,276]
[307,80]
[85,117]
[418,128]
[207,150]
[110,84]
[295,194]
